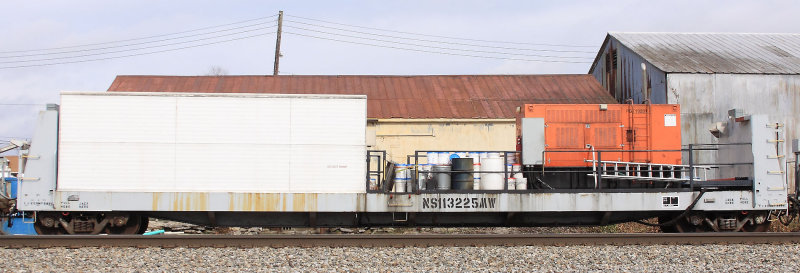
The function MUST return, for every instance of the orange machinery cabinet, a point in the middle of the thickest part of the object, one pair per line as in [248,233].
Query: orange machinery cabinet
[559,135]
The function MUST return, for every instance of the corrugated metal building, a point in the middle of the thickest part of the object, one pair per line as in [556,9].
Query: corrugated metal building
[407,113]
[707,74]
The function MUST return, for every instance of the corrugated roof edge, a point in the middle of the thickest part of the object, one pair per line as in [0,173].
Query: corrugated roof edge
[599,53]
[476,90]
[612,34]
[233,95]
[353,75]
[607,40]
[655,32]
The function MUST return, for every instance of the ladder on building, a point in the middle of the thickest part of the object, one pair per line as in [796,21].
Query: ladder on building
[620,170]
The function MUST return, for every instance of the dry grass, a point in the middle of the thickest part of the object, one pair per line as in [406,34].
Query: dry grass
[793,226]
[222,230]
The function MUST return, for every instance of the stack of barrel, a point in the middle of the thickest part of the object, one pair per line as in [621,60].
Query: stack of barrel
[462,173]
[473,171]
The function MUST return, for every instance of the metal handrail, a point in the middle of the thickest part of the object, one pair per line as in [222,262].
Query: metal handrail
[649,168]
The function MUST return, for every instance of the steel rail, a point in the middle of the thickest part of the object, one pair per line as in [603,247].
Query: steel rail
[420,240]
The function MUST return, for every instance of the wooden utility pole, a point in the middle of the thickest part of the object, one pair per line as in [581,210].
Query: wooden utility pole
[278,44]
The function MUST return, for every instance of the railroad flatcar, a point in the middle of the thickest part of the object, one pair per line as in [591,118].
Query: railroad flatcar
[107,162]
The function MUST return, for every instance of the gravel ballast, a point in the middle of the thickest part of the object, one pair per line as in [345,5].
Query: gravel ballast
[726,258]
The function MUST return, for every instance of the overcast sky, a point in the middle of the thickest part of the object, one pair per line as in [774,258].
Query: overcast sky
[577,27]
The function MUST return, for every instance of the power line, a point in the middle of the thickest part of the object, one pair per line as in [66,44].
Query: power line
[21,104]
[134,49]
[438,36]
[141,38]
[11,137]
[436,52]
[446,48]
[138,54]
[444,42]
[128,45]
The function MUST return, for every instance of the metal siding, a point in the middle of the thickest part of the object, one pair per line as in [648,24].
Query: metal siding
[706,98]
[123,166]
[36,190]
[211,143]
[229,167]
[327,168]
[98,119]
[599,68]
[246,120]
[327,122]
[533,144]
[628,80]
[349,202]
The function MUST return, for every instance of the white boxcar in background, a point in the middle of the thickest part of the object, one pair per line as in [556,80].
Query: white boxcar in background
[188,142]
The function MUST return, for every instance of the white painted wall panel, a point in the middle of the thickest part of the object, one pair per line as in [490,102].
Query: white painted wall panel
[116,166]
[339,122]
[233,120]
[163,142]
[328,168]
[101,119]
[232,167]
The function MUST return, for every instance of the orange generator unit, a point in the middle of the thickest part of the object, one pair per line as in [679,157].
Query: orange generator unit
[574,135]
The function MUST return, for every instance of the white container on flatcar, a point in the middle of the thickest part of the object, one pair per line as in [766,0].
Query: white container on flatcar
[171,142]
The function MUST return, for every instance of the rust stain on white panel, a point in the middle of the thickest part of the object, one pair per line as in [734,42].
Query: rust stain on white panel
[181,201]
[299,202]
[256,201]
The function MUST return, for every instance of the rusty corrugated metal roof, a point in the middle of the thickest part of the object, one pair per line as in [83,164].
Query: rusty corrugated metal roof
[734,53]
[457,96]
[13,163]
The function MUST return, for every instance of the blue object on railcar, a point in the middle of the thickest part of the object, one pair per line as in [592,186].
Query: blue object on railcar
[16,224]
[13,182]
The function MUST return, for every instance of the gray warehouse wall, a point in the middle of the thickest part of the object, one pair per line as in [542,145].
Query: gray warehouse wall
[706,98]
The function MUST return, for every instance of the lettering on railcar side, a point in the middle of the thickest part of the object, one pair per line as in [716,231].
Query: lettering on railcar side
[459,202]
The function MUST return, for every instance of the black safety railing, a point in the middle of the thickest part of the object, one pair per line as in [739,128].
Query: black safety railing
[430,186]
[686,175]
[376,174]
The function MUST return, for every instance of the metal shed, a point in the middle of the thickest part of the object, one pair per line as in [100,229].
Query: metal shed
[707,74]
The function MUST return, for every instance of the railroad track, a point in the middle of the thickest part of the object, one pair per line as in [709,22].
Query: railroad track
[352,240]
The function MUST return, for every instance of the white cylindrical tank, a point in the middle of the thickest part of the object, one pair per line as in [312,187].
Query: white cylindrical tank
[443,158]
[433,157]
[522,183]
[492,181]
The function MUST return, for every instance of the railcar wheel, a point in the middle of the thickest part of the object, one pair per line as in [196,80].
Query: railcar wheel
[143,226]
[756,221]
[42,230]
[47,224]
[666,229]
[682,225]
[132,225]
[763,227]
